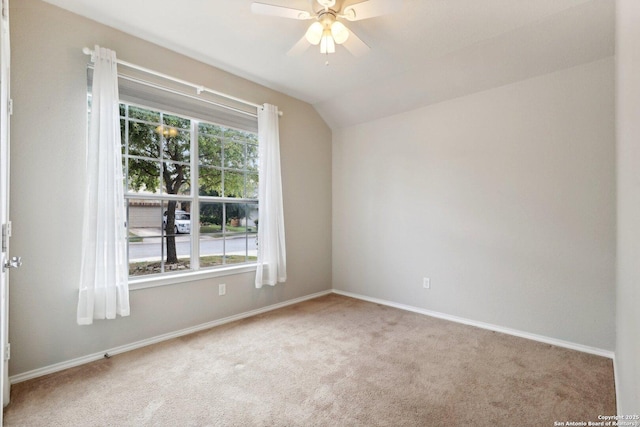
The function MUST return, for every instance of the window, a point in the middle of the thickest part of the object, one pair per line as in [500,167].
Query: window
[191,190]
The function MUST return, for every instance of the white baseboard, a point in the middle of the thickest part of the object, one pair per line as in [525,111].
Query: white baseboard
[547,340]
[164,337]
[143,343]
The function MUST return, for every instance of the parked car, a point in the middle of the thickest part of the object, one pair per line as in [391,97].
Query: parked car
[182,222]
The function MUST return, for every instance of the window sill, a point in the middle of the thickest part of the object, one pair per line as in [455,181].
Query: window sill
[177,278]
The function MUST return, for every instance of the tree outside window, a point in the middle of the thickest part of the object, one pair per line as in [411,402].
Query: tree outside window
[162,187]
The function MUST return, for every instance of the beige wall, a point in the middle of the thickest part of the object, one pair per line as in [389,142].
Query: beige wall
[628,139]
[505,199]
[48,145]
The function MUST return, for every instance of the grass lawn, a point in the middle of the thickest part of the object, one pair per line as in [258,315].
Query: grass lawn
[213,228]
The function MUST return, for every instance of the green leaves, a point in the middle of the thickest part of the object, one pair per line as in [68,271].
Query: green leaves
[228,161]
[158,149]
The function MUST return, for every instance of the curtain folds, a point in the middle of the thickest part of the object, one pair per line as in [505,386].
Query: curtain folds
[104,289]
[272,263]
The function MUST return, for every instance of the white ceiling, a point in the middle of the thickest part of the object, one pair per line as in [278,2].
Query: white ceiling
[426,52]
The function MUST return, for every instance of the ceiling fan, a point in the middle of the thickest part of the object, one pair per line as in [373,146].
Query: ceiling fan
[327,30]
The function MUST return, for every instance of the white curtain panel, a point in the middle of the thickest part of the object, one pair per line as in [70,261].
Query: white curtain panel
[272,255]
[104,291]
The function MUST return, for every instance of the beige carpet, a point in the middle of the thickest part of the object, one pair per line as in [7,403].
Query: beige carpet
[332,361]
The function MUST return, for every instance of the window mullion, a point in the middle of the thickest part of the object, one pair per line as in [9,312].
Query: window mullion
[125,173]
[164,240]
[161,157]
[246,230]
[223,142]
[195,201]
[223,164]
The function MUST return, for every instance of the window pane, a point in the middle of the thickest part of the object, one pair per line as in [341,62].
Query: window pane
[210,182]
[233,184]
[239,135]
[252,186]
[234,155]
[210,129]
[176,144]
[211,250]
[144,217]
[210,150]
[237,239]
[176,217]
[210,218]
[143,140]
[252,232]
[211,238]
[123,135]
[252,217]
[143,176]
[180,246]
[176,178]
[252,157]
[176,221]
[145,236]
[236,218]
[145,257]
[144,114]
[176,122]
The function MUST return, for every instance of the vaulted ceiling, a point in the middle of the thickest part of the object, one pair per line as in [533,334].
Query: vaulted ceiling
[426,52]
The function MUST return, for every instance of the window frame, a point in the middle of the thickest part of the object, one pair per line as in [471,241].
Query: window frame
[195,272]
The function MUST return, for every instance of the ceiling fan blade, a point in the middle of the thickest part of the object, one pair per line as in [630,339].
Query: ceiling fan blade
[283,12]
[355,45]
[300,47]
[370,9]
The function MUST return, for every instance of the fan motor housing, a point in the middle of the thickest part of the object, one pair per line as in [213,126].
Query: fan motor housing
[327,17]
[327,3]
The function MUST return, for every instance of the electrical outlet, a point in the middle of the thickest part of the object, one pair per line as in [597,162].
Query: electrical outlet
[426,283]
[222,289]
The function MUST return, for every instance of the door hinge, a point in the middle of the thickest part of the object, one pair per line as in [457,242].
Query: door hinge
[10,106]
[6,233]
[7,352]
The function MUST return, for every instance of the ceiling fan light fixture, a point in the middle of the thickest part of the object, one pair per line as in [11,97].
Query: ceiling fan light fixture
[326,31]
[327,45]
[314,33]
[339,32]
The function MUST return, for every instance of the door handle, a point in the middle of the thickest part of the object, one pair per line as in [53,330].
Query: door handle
[14,262]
